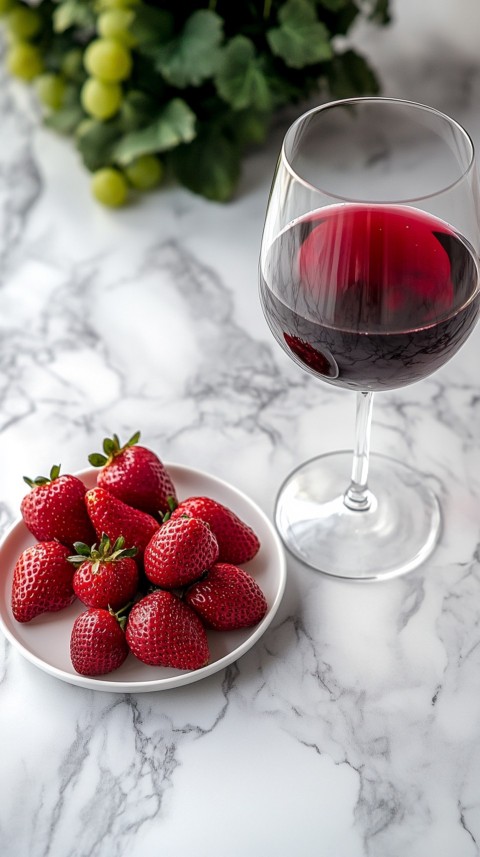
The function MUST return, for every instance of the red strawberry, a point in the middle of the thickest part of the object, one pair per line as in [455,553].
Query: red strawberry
[97,642]
[236,540]
[179,552]
[42,581]
[55,509]
[106,576]
[165,632]
[134,474]
[116,519]
[227,598]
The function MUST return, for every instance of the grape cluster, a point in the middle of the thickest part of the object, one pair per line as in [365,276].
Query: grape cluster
[149,88]
[91,76]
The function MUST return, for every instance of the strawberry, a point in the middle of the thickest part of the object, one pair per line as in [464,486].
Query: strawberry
[165,632]
[237,541]
[97,642]
[42,581]
[107,575]
[134,475]
[116,519]
[227,598]
[55,509]
[179,552]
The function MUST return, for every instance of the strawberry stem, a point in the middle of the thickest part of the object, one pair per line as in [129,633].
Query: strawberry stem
[121,615]
[104,552]
[43,480]
[172,505]
[111,448]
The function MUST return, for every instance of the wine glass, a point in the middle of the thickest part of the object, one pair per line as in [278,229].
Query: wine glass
[369,279]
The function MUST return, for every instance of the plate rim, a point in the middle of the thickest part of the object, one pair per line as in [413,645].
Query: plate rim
[191,676]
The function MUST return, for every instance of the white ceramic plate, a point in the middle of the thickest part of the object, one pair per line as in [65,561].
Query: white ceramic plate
[45,641]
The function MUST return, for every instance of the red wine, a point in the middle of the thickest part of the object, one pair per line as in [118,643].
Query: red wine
[370,297]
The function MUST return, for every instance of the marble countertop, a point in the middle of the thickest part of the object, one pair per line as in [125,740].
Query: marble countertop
[352,728]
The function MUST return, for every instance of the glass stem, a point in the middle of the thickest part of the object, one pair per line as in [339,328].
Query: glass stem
[358,497]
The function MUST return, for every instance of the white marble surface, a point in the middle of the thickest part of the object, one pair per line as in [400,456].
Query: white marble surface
[353,728]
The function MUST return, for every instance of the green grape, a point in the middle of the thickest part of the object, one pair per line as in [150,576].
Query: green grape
[115,24]
[72,63]
[100,100]
[24,60]
[108,60]
[145,172]
[23,23]
[50,90]
[109,187]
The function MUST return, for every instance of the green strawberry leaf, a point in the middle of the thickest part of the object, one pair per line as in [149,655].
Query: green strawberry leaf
[109,446]
[39,480]
[133,440]
[118,545]
[105,545]
[172,505]
[97,460]
[174,125]
[44,480]
[76,560]
[192,57]
[301,39]
[82,549]
[124,554]
[239,79]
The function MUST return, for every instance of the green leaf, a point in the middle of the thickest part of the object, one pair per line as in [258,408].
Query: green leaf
[65,120]
[210,166]
[97,460]
[105,545]
[349,74]
[251,127]
[134,439]
[123,554]
[151,26]
[108,446]
[118,545]
[192,57]
[39,480]
[301,39]
[174,125]
[380,12]
[55,472]
[239,79]
[96,144]
[82,549]
[73,13]
[77,560]
[136,110]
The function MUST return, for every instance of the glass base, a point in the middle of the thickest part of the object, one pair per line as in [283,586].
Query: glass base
[394,535]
